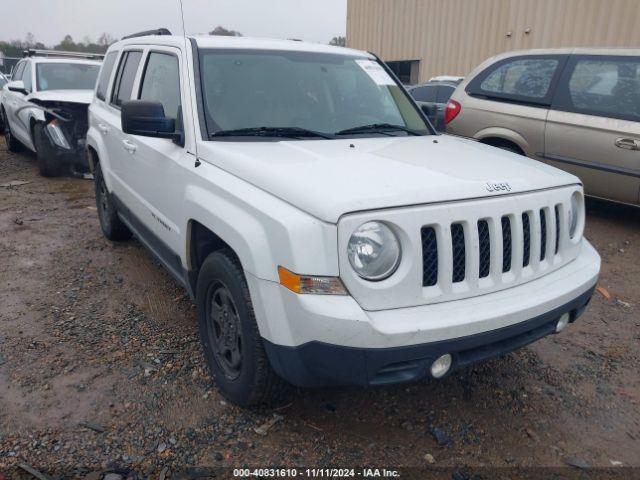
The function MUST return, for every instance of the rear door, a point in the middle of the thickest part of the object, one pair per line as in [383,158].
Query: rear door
[119,154]
[593,129]
[510,99]
[13,100]
[21,127]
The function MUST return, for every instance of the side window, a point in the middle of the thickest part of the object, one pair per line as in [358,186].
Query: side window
[26,77]
[105,75]
[424,94]
[125,77]
[606,86]
[526,79]
[17,74]
[161,82]
[444,94]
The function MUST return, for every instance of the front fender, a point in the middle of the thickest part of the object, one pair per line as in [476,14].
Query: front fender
[264,231]
[95,142]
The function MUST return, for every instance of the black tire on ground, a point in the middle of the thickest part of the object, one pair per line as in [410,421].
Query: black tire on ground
[13,145]
[46,158]
[112,227]
[229,334]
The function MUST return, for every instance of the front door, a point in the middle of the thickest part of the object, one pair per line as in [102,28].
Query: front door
[593,128]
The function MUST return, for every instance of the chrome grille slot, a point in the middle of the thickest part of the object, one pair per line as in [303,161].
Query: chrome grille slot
[543,234]
[429,257]
[526,239]
[506,244]
[484,247]
[459,252]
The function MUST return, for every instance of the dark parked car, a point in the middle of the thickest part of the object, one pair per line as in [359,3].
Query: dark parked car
[433,97]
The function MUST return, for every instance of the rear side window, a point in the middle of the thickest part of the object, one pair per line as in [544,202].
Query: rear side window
[17,74]
[161,82]
[444,94]
[601,86]
[424,94]
[26,77]
[523,79]
[105,75]
[125,77]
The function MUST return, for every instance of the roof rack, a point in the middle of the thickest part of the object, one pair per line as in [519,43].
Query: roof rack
[157,31]
[32,52]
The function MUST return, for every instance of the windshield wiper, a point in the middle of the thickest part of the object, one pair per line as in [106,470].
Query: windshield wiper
[379,128]
[287,132]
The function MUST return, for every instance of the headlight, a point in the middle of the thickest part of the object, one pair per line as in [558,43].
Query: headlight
[574,213]
[374,251]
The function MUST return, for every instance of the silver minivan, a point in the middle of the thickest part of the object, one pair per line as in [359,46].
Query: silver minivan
[576,109]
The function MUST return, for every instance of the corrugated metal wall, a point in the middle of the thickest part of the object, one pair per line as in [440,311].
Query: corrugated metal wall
[451,37]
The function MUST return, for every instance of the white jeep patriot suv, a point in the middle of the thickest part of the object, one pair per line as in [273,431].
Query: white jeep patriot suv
[327,235]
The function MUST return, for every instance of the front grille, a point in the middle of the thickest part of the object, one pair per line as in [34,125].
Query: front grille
[525,234]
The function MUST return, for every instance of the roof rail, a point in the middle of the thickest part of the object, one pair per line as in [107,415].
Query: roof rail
[157,31]
[32,52]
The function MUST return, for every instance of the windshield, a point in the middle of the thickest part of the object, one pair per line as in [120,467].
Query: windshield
[66,76]
[323,94]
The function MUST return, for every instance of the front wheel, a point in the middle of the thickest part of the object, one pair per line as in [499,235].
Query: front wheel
[112,227]
[45,157]
[229,334]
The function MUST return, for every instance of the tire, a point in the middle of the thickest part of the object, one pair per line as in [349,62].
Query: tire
[13,145]
[112,227]
[45,157]
[229,334]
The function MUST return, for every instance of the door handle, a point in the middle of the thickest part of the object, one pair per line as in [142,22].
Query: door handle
[129,146]
[103,128]
[628,143]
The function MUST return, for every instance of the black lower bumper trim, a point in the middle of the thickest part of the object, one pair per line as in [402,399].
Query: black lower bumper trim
[318,364]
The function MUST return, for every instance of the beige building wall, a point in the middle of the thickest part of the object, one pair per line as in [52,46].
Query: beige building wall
[451,37]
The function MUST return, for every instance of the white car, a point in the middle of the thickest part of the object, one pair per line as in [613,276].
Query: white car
[326,234]
[44,108]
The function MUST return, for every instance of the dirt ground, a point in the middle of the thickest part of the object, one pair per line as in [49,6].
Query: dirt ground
[101,369]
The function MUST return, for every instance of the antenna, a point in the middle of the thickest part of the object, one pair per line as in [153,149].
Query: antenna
[184,28]
[186,49]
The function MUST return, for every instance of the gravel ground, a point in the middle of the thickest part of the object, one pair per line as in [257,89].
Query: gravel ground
[101,369]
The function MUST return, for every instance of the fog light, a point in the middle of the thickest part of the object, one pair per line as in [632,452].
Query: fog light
[441,366]
[563,322]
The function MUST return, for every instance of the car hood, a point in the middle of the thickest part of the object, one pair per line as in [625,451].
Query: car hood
[69,96]
[329,178]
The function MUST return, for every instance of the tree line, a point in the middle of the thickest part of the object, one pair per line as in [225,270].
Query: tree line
[14,48]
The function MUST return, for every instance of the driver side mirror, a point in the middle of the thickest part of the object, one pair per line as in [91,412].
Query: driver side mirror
[17,86]
[147,119]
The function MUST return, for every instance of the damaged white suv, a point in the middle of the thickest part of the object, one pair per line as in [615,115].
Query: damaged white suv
[44,108]
[327,235]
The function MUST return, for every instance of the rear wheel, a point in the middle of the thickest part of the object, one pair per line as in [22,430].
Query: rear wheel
[45,157]
[112,227]
[229,334]
[13,145]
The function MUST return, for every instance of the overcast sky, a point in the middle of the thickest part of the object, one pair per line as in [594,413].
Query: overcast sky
[51,20]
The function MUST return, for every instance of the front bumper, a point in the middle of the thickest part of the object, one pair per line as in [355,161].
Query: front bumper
[317,364]
[75,156]
[318,341]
